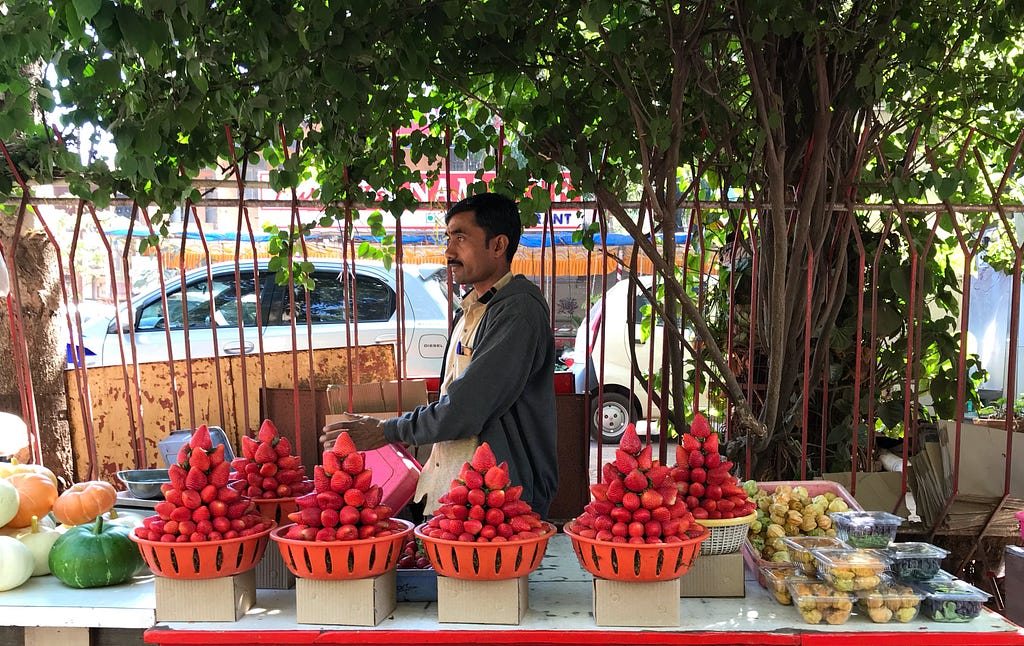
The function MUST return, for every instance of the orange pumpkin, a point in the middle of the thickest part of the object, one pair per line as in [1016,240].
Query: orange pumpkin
[36,497]
[10,468]
[84,501]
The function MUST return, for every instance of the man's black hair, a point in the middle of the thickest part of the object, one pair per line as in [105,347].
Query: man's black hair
[496,215]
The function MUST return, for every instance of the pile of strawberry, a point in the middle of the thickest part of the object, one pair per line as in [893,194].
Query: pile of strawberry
[703,479]
[482,507]
[198,504]
[267,468]
[636,502]
[343,506]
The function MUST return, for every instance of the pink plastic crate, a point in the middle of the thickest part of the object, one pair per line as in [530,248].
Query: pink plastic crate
[1020,519]
[814,488]
[396,472]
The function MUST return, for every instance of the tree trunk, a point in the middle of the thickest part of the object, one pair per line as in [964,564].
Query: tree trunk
[40,346]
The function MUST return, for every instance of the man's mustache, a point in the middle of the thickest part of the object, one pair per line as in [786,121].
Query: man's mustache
[454,263]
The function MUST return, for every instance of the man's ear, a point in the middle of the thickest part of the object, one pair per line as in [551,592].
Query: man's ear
[500,244]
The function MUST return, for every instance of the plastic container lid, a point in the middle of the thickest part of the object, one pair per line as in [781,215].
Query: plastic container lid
[800,549]
[866,528]
[955,590]
[849,558]
[914,561]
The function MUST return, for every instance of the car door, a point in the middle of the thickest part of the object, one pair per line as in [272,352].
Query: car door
[328,319]
[218,316]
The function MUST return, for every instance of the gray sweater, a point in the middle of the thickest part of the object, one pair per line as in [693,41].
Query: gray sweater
[506,395]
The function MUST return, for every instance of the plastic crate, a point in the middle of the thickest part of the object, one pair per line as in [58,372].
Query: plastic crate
[814,488]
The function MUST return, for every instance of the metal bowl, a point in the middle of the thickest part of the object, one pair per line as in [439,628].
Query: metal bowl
[144,483]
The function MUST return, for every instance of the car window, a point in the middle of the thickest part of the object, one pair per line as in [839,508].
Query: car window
[375,300]
[197,300]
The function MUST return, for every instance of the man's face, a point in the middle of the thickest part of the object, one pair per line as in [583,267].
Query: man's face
[471,257]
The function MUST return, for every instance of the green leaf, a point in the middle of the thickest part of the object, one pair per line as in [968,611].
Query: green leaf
[86,9]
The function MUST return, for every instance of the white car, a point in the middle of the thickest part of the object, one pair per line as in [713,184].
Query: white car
[617,408]
[230,301]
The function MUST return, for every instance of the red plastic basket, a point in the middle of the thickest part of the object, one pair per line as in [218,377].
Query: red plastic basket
[208,560]
[634,561]
[337,560]
[486,561]
[276,509]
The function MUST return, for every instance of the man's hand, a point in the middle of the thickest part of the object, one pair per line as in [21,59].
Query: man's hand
[366,432]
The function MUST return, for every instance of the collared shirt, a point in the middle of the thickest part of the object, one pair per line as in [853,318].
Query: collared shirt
[447,458]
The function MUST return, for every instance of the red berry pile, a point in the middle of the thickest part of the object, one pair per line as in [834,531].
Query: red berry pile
[414,555]
[198,504]
[481,506]
[267,467]
[343,506]
[703,479]
[636,502]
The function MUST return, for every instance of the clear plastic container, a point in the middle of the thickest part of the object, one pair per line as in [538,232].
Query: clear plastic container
[849,569]
[954,601]
[868,529]
[800,550]
[909,562]
[890,603]
[775,575]
[821,603]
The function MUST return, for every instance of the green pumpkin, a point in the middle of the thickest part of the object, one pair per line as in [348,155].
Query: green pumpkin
[95,555]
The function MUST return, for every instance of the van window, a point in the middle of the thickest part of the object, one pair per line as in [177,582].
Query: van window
[225,310]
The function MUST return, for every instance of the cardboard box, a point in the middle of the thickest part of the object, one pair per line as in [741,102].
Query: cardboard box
[272,573]
[221,599]
[462,601]
[354,602]
[377,399]
[643,604]
[714,575]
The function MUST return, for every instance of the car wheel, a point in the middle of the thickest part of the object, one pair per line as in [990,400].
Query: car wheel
[610,419]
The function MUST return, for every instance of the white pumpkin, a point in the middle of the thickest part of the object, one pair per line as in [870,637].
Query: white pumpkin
[39,539]
[16,563]
[9,501]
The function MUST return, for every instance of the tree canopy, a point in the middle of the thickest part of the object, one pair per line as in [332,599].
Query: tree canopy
[788,108]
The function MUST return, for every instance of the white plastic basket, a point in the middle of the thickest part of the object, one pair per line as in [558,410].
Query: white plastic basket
[726,535]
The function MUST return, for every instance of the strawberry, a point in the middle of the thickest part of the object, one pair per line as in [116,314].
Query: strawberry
[179,514]
[698,475]
[216,455]
[201,438]
[658,475]
[474,480]
[700,427]
[630,442]
[496,477]
[476,497]
[200,514]
[199,459]
[631,501]
[331,462]
[609,473]
[353,463]
[712,460]
[494,517]
[183,454]
[651,499]
[283,447]
[268,469]
[288,462]
[190,498]
[711,444]
[616,489]
[599,491]
[343,444]
[267,431]
[340,482]
[363,480]
[645,460]
[635,481]
[483,458]
[624,462]
[249,447]
[310,516]
[513,493]
[374,495]
[265,453]
[689,444]
[219,475]
[195,480]
[695,460]
[355,497]
[696,490]
[458,494]
[177,476]
[329,518]
[713,491]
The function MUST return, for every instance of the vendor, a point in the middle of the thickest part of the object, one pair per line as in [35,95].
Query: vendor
[497,381]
